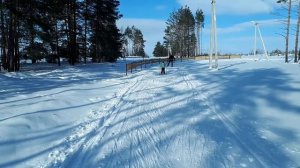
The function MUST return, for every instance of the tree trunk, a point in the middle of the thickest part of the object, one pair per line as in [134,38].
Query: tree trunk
[17,53]
[67,24]
[11,44]
[74,38]
[201,28]
[297,35]
[97,35]
[198,40]
[85,32]
[72,31]
[32,45]
[56,45]
[288,32]
[3,41]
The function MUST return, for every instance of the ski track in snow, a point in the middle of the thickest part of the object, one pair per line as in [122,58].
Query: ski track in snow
[228,124]
[88,133]
[141,127]
[256,154]
[133,132]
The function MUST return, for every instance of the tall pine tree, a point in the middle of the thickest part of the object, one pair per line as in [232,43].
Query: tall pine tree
[180,32]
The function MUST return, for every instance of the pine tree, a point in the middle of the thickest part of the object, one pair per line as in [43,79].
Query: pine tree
[34,28]
[53,28]
[134,41]
[199,17]
[180,32]
[187,21]
[160,50]
[3,36]
[106,37]
[12,62]
[128,40]
[86,18]
[287,28]
[56,9]
[138,42]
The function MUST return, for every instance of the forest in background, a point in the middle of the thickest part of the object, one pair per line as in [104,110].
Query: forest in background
[76,30]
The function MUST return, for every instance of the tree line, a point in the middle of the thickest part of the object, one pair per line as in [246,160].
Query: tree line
[76,30]
[182,34]
[287,35]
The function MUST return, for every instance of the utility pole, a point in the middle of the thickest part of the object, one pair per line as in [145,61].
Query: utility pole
[257,29]
[255,35]
[213,38]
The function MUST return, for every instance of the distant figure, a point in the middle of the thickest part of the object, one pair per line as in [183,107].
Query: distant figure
[171,60]
[163,68]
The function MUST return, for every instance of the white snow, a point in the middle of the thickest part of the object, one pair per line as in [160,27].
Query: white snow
[246,114]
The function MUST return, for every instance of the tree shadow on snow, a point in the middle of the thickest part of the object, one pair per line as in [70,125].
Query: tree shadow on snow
[217,122]
[224,125]
[37,79]
[236,103]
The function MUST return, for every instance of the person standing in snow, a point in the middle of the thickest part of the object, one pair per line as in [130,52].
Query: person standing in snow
[163,68]
[171,59]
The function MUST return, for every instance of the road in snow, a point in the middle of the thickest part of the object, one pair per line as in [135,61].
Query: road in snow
[240,116]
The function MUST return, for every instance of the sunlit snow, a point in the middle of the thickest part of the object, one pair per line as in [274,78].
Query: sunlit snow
[246,114]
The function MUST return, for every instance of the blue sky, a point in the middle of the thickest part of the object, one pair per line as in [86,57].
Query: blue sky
[235,30]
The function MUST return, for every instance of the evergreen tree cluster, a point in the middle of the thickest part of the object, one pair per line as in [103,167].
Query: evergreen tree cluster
[133,42]
[180,33]
[53,29]
[160,50]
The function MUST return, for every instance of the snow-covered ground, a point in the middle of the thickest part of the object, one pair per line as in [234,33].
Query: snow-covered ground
[246,114]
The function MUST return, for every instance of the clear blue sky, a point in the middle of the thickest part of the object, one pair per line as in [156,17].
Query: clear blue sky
[235,31]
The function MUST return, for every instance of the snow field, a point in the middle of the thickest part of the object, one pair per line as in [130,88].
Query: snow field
[243,115]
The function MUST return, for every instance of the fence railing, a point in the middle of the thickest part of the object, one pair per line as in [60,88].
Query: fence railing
[219,57]
[142,64]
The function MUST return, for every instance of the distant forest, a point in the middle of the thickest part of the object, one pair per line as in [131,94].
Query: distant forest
[76,30]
